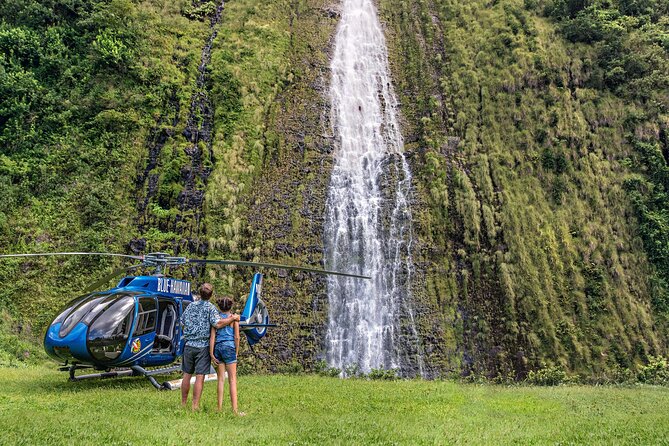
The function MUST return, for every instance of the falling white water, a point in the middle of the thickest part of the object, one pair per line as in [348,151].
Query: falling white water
[368,224]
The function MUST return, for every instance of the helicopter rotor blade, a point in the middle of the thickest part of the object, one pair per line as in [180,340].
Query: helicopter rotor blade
[276,266]
[249,326]
[117,272]
[50,254]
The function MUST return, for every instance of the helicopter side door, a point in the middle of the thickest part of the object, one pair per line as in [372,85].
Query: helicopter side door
[166,342]
[178,332]
[144,333]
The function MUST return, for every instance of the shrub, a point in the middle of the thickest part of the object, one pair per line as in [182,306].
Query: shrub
[322,369]
[505,378]
[475,378]
[200,12]
[16,350]
[332,372]
[590,25]
[655,372]
[244,368]
[112,51]
[353,371]
[622,375]
[548,376]
[381,374]
[291,368]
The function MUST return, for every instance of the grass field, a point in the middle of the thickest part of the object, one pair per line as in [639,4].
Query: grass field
[38,406]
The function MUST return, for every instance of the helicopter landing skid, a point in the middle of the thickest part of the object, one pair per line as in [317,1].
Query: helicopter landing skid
[132,371]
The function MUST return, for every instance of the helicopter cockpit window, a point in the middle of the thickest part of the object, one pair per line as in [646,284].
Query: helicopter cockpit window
[147,312]
[109,332]
[82,307]
[102,305]
[70,306]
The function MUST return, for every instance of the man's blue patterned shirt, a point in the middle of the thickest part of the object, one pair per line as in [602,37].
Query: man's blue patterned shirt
[196,321]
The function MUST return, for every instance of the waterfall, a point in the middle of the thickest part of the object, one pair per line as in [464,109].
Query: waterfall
[368,221]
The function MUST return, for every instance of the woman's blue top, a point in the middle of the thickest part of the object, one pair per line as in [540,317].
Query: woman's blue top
[227,333]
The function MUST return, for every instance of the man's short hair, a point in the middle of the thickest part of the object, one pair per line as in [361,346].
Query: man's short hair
[206,290]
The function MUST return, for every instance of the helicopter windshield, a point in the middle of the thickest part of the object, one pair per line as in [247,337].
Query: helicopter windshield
[102,304]
[109,332]
[80,309]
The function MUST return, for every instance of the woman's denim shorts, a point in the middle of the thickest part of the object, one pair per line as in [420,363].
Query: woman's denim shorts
[225,353]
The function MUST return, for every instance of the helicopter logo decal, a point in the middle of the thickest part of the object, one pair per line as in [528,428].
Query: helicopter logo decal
[136,346]
[173,286]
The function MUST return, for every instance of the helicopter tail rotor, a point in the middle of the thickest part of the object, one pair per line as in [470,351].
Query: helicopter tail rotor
[255,317]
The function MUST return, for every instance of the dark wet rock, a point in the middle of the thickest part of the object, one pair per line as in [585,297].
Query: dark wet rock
[147,180]
[137,245]
[198,134]
[452,144]
[282,248]
[331,12]
[284,354]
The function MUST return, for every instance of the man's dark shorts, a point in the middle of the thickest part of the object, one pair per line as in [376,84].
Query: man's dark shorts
[196,360]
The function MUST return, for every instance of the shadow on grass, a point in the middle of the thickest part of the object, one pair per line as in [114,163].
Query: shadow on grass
[55,382]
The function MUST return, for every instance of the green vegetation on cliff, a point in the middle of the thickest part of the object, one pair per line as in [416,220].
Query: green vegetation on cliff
[82,84]
[528,230]
[198,131]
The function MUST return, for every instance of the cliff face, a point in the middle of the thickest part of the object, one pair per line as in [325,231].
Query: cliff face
[529,245]
[281,208]
[202,127]
[531,250]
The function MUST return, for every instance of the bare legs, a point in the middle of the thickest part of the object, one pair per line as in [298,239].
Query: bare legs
[220,372]
[197,390]
[185,388]
[232,382]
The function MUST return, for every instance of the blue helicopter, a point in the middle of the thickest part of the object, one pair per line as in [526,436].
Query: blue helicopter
[133,329]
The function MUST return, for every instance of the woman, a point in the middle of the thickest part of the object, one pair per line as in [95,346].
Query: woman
[223,348]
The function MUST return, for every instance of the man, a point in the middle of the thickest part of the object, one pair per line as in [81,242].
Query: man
[196,321]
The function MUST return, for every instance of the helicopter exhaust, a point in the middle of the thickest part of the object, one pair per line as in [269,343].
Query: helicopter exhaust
[176,383]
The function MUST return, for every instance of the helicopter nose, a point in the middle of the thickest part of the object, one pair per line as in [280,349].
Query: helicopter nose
[71,347]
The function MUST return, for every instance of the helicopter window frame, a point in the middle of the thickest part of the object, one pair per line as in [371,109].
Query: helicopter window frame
[146,319]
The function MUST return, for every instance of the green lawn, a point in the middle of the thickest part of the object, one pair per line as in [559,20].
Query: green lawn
[38,406]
